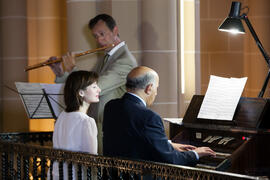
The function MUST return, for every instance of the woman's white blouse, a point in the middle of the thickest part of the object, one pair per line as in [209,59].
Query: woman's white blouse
[75,131]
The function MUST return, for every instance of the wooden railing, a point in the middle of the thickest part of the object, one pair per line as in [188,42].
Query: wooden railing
[30,156]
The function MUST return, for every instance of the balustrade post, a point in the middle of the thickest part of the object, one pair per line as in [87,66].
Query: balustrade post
[79,172]
[4,165]
[70,174]
[43,164]
[51,169]
[11,164]
[89,173]
[121,176]
[60,168]
[18,166]
[99,176]
[26,167]
[35,167]
[131,175]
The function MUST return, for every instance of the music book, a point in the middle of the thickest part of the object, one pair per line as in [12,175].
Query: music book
[221,98]
[41,100]
[174,120]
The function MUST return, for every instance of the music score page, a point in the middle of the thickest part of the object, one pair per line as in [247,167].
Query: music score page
[178,121]
[221,98]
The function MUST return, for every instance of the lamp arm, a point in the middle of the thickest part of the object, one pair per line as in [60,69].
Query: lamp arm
[264,84]
[265,55]
[258,42]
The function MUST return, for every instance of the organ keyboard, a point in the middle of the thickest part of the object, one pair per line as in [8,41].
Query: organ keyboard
[242,145]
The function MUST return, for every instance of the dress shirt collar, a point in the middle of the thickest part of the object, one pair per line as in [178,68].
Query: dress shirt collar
[114,49]
[138,97]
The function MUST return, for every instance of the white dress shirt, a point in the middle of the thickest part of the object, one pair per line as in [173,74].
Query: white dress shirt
[115,48]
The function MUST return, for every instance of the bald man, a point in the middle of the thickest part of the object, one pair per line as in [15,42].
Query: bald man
[134,131]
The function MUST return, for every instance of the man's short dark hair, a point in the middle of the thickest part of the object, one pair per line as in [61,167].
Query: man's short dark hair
[140,82]
[76,81]
[110,22]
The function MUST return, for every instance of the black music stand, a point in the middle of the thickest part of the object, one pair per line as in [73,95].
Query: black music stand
[40,104]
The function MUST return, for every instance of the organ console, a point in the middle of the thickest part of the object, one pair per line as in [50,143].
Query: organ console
[242,145]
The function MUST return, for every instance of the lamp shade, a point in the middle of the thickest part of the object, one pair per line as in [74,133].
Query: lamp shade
[233,22]
[233,25]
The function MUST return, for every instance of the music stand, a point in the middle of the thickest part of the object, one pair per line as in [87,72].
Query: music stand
[41,101]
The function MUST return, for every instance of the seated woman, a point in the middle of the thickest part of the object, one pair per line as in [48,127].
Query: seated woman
[74,130]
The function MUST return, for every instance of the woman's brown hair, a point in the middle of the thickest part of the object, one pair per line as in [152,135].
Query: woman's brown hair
[75,82]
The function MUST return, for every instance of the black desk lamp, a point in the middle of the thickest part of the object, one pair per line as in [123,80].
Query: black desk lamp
[234,24]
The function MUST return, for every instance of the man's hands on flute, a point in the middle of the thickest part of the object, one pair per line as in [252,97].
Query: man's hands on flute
[56,67]
[68,61]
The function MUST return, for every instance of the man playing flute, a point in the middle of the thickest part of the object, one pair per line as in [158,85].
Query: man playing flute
[118,62]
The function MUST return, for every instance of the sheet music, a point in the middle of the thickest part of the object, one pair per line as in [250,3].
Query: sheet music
[34,101]
[221,98]
[56,96]
[174,120]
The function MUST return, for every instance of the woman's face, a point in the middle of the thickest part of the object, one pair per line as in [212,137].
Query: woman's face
[91,93]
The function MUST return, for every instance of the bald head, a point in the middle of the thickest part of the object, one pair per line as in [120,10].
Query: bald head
[143,81]
[140,71]
[140,77]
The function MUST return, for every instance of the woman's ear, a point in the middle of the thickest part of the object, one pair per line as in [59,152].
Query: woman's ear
[81,93]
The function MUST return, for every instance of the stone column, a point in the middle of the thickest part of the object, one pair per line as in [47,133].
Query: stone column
[13,59]
[159,51]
